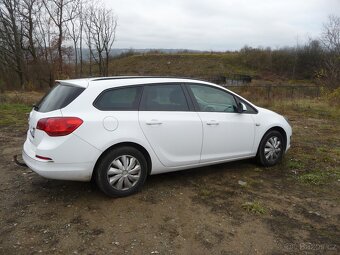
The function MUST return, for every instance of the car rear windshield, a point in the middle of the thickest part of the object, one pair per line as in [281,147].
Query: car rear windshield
[59,97]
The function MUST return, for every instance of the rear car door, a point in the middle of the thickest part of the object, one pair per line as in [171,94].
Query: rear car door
[171,126]
[227,134]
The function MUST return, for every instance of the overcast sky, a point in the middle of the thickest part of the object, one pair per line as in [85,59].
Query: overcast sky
[218,24]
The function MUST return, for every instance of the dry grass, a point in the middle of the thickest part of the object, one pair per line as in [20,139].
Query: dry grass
[20,97]
[184,64]
[254,207]
[15,107]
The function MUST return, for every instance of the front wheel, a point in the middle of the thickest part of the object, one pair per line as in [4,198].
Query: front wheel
[121,172]
[271,149]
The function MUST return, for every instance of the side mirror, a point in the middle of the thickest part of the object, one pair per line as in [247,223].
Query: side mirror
[241,107]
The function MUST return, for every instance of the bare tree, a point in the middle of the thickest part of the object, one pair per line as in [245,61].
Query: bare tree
[101,27]
[57,12]
[87,30]
[35,36]
[331,34]
[81,33]
[29,14]
[46,39]
[109,35]
[74,29]
[94,43]
[331,41]
[11,37]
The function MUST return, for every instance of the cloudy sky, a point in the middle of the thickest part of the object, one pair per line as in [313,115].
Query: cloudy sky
[218,24]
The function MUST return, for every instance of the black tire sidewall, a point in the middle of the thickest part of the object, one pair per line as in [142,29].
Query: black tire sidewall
[260,154]
[103,166]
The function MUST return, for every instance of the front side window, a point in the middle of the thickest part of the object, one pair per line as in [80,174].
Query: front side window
[164,98]
[120,99]
[210,99]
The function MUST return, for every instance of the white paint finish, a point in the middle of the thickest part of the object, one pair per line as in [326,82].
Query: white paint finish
[110,123]
[174,140]
[175,137]
[268,119]
[59,171]
[226,135]
[84,83]
[68,149]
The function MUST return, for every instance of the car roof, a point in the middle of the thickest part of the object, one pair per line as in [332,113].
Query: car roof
[137,80]
[124,80]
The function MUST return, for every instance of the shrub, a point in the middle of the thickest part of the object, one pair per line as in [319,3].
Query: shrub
[334,97]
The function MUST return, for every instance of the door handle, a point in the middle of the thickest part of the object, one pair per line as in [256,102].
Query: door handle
[213,123]
[153,122]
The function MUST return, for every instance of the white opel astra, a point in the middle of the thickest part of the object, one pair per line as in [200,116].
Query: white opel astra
[119,130]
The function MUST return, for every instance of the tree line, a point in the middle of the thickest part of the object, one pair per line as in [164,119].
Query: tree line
[317,60]
[41,40]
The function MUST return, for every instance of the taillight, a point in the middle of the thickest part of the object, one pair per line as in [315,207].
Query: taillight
[59,126]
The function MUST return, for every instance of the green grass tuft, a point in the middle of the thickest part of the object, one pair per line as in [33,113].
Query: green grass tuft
[320,177]
[14,114]
[254,207]
[294,164]
[204,192]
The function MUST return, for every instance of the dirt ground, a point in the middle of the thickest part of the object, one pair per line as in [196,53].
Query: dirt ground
[233,208]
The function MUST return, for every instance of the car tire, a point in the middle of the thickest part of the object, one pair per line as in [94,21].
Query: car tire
[121,172]
[271,149]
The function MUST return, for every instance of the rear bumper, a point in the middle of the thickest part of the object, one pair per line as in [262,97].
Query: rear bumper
[51,170]
[71,157]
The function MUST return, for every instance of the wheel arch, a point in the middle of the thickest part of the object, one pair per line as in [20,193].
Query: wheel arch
[282,132]
[122,144]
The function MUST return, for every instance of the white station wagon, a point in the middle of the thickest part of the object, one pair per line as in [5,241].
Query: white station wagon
[119,130]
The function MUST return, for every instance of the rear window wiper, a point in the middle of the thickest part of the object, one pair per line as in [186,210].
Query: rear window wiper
[36,107]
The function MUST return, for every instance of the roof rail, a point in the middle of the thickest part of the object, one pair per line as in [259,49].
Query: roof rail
[141,77]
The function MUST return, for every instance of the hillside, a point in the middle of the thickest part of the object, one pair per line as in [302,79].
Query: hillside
[203,65]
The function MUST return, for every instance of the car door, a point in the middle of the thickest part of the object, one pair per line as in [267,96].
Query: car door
[170,124]
[227,134]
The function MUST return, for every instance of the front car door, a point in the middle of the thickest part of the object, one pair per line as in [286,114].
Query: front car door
[170,124]
[227,134]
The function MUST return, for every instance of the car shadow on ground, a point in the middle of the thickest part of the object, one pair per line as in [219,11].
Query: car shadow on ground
[55,188]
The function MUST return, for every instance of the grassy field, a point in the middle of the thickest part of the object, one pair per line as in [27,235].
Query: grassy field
[184,65]
[230,208]
[15,107]
[206,66]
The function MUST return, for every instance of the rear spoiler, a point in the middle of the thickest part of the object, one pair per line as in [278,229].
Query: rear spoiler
[82,83]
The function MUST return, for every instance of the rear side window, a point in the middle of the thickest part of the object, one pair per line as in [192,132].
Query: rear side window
[164,98]
[119,99]
[59,97]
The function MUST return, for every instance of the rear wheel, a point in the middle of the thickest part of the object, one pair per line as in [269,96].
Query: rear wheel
[271,149]
[121,172]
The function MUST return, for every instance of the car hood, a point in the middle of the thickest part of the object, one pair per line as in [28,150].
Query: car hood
[266,111]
